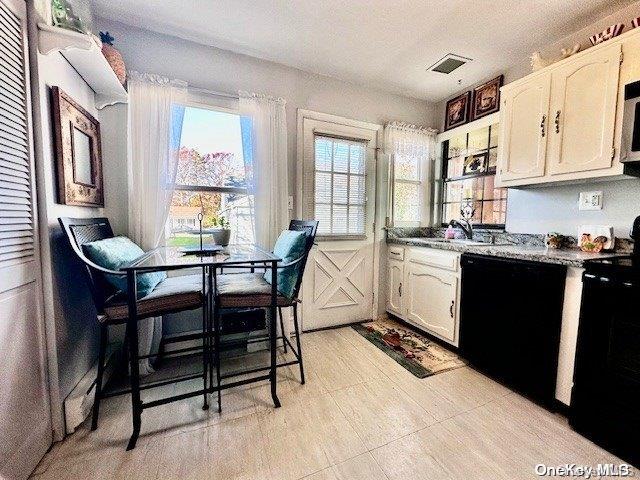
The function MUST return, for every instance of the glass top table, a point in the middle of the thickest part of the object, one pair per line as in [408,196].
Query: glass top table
[171,258]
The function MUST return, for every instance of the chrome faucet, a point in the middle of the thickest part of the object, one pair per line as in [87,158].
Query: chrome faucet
[465,226]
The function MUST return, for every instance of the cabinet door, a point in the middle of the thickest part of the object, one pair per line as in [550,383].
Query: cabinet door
[394,295]
[525,129]
[584,99]
[430,299]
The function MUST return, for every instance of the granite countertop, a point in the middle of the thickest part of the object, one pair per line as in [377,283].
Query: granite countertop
[572,257]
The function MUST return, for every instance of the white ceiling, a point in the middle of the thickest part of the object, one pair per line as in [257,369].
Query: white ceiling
[385,44]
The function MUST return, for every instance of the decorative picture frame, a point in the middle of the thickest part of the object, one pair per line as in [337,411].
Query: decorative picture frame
[78,149]
[475,164]
[486,98]
[457,111]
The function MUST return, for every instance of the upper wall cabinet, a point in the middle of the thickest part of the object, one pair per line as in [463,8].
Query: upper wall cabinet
[584,95]
[524,129]
[563,123]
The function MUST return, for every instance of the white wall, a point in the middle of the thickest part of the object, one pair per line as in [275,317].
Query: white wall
[554,208]
[221,70]
[72,330]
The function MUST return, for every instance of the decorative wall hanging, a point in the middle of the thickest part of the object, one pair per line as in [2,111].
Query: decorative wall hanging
[457,111]
[78,152]
[486,98]
[607,34]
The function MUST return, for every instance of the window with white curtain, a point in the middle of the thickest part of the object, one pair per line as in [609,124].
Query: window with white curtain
[340,198]
[211,178]
[411,150]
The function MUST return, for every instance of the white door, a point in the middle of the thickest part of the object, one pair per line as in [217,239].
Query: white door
[525,129]
[25,421]
[338,189]
[395,277]
[430,299]
[583,106]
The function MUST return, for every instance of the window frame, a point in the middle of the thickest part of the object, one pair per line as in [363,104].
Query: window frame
[444,180]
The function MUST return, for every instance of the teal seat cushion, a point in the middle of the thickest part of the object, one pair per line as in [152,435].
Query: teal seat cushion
[113,253]
[289,246]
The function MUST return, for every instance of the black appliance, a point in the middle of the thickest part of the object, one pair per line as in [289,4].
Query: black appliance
[510,319]
[605,399]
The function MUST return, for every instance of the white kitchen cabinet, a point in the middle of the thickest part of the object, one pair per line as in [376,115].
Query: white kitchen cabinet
[395,278]
[431,299]
[525,129]
[564,122]
[423,289]
[584,100]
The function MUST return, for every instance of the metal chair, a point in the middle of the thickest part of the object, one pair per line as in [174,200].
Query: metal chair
[251,290]
[175,294]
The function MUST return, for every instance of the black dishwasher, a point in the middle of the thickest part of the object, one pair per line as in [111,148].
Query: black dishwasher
[510,319]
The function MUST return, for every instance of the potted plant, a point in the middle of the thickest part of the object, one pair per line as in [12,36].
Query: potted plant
[220,230]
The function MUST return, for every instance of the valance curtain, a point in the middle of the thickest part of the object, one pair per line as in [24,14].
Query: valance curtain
[264,134]
[154,128]
[411,151]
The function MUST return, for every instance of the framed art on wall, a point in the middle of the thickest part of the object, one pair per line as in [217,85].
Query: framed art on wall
[457,111]
[78,152]
[486,98]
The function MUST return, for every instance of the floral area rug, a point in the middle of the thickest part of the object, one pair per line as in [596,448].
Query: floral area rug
[415,352]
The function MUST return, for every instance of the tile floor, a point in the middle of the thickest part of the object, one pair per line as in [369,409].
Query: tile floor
[360,416]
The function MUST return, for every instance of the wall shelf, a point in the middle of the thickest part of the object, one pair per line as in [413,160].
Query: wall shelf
[85,56]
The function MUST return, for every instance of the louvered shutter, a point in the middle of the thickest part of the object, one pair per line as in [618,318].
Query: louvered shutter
[16,219]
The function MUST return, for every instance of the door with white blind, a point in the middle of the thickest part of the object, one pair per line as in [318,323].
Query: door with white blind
[25,421]
[338,190]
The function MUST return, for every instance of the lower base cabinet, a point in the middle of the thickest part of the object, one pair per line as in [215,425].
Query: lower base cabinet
[431,299]
[423,289]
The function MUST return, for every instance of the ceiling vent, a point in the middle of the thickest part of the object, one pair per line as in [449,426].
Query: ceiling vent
[449,63]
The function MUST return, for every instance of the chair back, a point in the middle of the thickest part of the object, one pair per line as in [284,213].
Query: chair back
[310,227]
[84,230]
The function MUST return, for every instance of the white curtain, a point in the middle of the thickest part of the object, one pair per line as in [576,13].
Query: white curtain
[413,145]
[152,162]
[265,140]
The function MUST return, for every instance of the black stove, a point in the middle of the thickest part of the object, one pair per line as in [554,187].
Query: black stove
[606,388]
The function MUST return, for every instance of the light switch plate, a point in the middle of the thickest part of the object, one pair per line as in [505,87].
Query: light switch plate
[590,201]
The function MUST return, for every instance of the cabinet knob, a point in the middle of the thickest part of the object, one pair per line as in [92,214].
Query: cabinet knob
[542,122]
[453,302]
[400,289]
[557,121]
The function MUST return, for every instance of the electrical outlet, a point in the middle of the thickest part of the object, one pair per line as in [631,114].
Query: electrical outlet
[590,201]
[290,202]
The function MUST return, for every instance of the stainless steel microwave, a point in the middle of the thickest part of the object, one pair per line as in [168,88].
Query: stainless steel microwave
[631,124]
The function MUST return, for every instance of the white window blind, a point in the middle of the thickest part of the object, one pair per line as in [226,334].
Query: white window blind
[16,221]
[340,193]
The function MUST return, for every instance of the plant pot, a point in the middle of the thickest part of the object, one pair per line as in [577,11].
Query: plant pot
[221,236]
